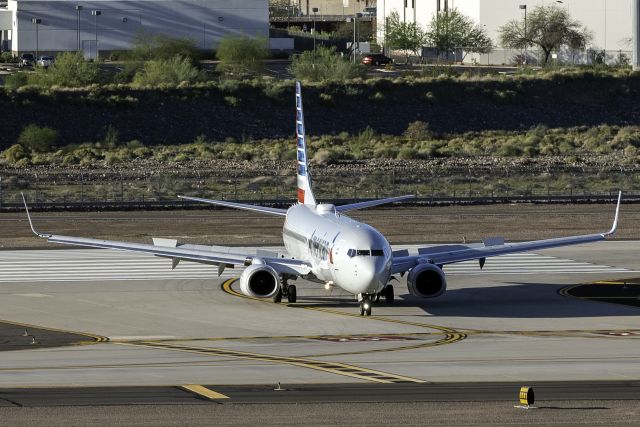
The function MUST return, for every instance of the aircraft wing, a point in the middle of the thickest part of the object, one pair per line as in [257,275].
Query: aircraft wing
[371,203]
[449,254]
[168,248]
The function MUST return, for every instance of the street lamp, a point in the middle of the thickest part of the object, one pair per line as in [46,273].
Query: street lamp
[353,46]
[37,21]
[315,10]
[78,9]
[526,40]
[95,14]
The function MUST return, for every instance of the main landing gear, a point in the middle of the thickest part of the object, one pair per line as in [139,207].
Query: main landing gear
[288,291]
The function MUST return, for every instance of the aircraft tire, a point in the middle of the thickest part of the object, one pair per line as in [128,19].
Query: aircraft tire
[388,294]
[292,294]
[278,297]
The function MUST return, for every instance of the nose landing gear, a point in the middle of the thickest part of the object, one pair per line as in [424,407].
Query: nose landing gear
[366,301]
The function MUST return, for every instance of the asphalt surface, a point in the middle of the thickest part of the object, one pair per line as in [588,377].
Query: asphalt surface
[319,393]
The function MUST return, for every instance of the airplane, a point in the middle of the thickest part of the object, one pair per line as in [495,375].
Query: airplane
[325,246]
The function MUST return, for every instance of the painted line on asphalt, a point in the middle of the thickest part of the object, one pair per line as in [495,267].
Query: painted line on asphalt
[96,338]
[336,368]
[203,392]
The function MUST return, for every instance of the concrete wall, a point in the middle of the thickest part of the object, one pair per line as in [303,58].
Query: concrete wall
[205,21]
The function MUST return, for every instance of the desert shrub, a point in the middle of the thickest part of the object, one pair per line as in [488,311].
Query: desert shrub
[241,55]
[15,153]
[69,70]
[326,64]
[169,72]
[38,139]
[154,47]
[16,80]
[418,131]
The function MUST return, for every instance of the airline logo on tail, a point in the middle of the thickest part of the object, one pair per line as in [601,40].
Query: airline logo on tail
[305,195]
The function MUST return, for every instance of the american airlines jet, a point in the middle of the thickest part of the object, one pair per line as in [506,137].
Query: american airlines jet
[326,246]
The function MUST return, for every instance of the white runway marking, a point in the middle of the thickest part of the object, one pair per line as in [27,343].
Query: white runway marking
[97,264]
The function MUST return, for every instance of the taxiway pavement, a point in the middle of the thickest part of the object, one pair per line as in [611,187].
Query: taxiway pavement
[508,322]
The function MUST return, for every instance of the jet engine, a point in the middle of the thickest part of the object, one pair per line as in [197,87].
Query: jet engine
[260,281]
[426,281]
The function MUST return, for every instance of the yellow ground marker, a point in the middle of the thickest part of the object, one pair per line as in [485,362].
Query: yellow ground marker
[203,392]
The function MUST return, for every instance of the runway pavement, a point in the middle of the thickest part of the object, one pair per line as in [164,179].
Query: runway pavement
[509,322]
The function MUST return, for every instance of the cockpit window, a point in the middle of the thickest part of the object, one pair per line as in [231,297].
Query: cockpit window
[364,252]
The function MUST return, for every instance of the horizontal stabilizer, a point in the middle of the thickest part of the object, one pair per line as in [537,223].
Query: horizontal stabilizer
[371,203]
[246,207]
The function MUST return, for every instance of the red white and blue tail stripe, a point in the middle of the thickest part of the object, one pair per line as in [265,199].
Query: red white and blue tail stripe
[305,195]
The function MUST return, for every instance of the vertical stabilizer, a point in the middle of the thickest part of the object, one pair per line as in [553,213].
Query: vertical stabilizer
[305,195]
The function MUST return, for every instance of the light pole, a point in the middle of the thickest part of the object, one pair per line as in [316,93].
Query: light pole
[315,10]
[526,39]
[78,9]
[95,14]
[353,46]
[37,21]
[635,35]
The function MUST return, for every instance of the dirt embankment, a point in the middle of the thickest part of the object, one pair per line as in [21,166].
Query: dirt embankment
[243,111]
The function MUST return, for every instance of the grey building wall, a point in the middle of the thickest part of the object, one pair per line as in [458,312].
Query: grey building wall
[205,21]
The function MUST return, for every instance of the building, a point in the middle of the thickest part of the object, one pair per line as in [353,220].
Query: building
[609,20]
[107,25]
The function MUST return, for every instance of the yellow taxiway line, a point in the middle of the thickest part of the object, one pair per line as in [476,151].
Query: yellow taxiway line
[204,392]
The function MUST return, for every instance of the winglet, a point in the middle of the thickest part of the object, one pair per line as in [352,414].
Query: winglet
[26,208]
[615,220]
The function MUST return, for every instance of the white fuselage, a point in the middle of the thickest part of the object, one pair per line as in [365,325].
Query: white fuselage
[343,252]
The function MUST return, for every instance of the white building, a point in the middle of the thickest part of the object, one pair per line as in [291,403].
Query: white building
[63,25]
[609,20]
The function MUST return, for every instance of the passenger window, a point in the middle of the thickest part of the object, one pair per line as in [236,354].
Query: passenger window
[364,252]
[377,252]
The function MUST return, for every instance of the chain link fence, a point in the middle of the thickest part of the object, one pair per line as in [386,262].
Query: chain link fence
[107,190]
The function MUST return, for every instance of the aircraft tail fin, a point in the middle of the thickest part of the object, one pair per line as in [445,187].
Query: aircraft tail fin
[305,193]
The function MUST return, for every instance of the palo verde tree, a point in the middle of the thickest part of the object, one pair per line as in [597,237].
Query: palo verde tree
[405,36]
[451,30]
[549,28]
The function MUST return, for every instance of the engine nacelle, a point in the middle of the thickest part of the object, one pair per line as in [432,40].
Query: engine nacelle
[426,281]
[260,281]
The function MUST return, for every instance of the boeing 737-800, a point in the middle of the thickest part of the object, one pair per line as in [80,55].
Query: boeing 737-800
[326,246]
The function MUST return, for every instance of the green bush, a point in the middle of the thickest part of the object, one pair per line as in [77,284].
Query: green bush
[171,72]
[325,64]
[154,47]
[241,55]
[7,57]
[38,139]
[16,80]
[69,70]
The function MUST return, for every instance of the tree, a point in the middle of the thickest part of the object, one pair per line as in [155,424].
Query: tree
[406,36]
[549,28]
[451,30]
[242,55]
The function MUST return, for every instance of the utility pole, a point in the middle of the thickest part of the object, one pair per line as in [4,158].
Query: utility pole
[635,34]
[78,9]
[36,22]
[526,41]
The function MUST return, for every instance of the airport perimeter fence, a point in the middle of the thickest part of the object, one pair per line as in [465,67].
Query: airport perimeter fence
[106,191]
